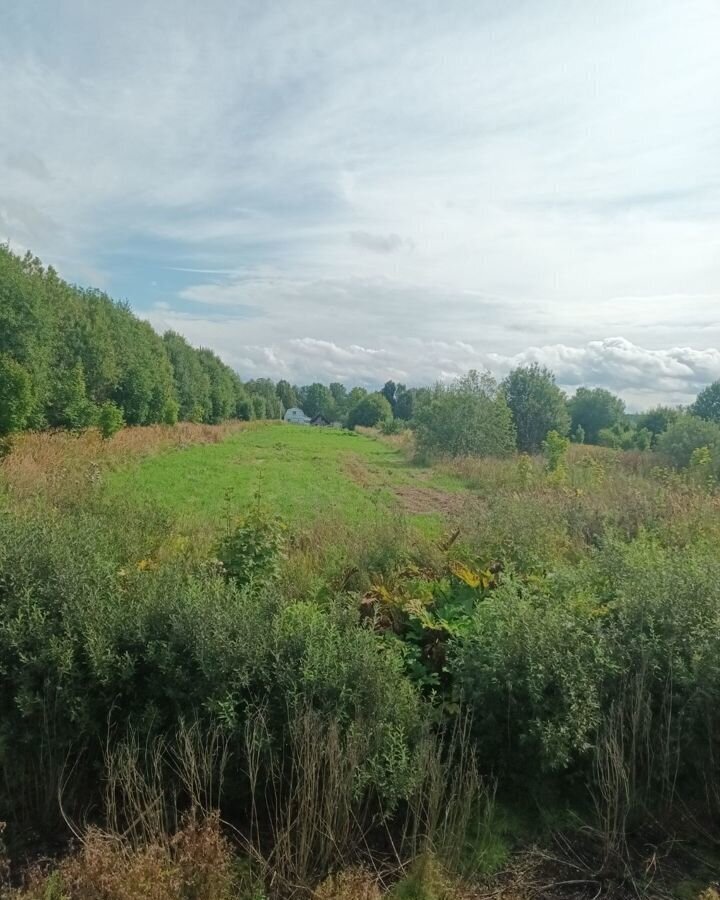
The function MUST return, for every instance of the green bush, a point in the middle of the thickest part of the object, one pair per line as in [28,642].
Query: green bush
[169,414]
[109,420]
[252,548]
[555,448]
[370,411]
[548,664]
[687,434]
[97,633]
[468,418]
[393,426]
[624,436]
[529,673]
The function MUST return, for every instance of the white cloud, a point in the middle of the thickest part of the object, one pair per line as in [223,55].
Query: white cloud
[643,376]
[388,176]
[378,243]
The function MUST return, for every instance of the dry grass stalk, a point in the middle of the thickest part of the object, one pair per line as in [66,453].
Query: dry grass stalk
[148,786]
[303,798]
[196,862]
[452,805]
[54,462]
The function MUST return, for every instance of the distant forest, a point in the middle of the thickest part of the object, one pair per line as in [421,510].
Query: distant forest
[74,358]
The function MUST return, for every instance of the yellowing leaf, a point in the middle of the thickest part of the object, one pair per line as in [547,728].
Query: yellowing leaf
[465,573]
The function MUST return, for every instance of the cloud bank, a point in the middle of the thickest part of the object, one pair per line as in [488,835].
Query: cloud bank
[514,178]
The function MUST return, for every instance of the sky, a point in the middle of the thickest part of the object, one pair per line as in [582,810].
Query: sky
[354,192]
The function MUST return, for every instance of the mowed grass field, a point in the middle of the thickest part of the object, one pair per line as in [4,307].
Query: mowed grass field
[302,473]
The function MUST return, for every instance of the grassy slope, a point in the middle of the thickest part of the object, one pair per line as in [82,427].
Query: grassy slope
[303,473]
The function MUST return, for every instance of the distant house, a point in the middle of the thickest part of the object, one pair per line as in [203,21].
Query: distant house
[296,416]
[319,419]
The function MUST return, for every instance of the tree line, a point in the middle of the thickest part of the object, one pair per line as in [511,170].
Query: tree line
[528,412]
[72,358]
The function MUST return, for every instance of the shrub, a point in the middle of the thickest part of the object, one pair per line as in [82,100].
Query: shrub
[392,426]
[169,414]
[701,467]
[252,549]
[369,411]
[110,420]
[548,662]
[530,673]
[684,436]
[91,623]
[196,862]
[427,880]
[16,399]
[555,448]
[623,436]
[468,418]
[352,884]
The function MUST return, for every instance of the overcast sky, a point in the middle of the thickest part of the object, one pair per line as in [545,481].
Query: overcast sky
[357,191]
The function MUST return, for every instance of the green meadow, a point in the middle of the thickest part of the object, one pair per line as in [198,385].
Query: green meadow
[302,474]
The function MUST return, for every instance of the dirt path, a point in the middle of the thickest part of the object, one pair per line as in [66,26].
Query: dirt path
[424,499]
[412,494]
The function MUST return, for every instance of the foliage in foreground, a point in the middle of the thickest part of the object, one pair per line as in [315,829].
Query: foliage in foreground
[567,630]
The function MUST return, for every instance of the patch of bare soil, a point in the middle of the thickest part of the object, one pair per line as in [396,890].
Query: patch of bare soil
[413,498]
[424,499]
[357,471]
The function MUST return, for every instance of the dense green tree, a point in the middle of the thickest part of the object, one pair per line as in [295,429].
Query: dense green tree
[467,418]
[316,399]
[707,403]
[223,387]
[87,334]
[687,434]
[658,419]
[69,404]
[28,321]
[258,405]
[81,350]
[537,404]
[594,409]
[192,382]
[286,394]
[389,392]
[370,411]
[355,395]
[420,398]
[16,399]
[265,388]
[404,402]
[341,400]
[244,409]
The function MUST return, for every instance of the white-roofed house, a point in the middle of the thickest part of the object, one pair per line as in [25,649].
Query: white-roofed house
[296,416]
